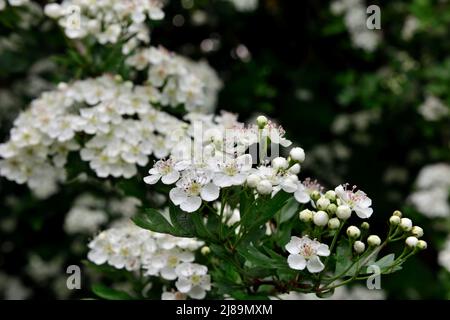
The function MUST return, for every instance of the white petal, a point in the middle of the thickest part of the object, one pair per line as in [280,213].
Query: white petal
[170,178]
[177,196]
[191,204]
[197,292]
[293,246]
[301,196]
[314,265]
[222,180]
[363,213]
[323,250]
[152,179]
[183,285]
[210,192]
[168,273]
[296,261]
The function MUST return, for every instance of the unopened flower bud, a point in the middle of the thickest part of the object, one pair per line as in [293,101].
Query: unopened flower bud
[422,245]
[297,154]
[394,220]
[406,224]
[205,250]
[397,213]
[331,195]
[343,212]
[359,246]
[365,226]
[315,195]
[417,231]
[261,121]
[332,208]
[306,215]
[353,232]
[280,163]
[295,169]
[411,242]
[264,187]
[374,240]
[320,218]
[322,203]
[253,180]
[334,223]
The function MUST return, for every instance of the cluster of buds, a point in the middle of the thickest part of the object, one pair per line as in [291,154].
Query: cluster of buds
[403,228]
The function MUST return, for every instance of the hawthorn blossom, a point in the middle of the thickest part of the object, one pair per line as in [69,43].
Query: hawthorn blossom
[305,189]
[193,187]
[193,280]
[233,172]
[305,252]
[166,170]
[357,201]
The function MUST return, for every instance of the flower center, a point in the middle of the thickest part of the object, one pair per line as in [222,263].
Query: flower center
[196,279]
[172,261]
[194,189]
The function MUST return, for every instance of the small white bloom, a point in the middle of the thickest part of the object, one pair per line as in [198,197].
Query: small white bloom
[359,247]
[305,252]
[374,240]
[411,242]
[357,201]
[406,224]
[353,232]
[166,170]
[264,187]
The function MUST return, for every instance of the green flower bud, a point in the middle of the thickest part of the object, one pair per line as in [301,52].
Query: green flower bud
[331,195]
[261,121]
[205,250]
[394,220]
[405,224]
[323,203]
[365,226]
[343,212]
[320,218]
[374,240]
[411,242]
[334,223]
[397,213]
[332,208]
[417,231]
[359,247]
[306,215]
[353,232]
[422,245]
[315,195]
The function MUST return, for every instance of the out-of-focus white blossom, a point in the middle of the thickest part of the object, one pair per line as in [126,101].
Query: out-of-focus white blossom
[355,17]
[245,5]
[433,187]
[444,255]
[108,21]
[433,109]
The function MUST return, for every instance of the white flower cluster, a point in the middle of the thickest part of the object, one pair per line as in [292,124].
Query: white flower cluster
[130,247]
[216,158]
[245,5]
[181,81]
[109,21]
[12,288]
[433,186]
[433,109]
[444,255]
[12,3]
[89,213]
[114,125]
[355,17]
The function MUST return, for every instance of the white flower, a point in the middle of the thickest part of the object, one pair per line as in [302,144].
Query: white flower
[194,186]
[411,242]
[305,252]
[166,170]
[297,154]
[305,189]
[357,201]
[193,280]
[320,218]
[233,172]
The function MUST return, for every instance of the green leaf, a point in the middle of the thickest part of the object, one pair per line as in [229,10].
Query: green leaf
[110,294]
[182,222]
[152,220]
[289,210]
[343,258]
